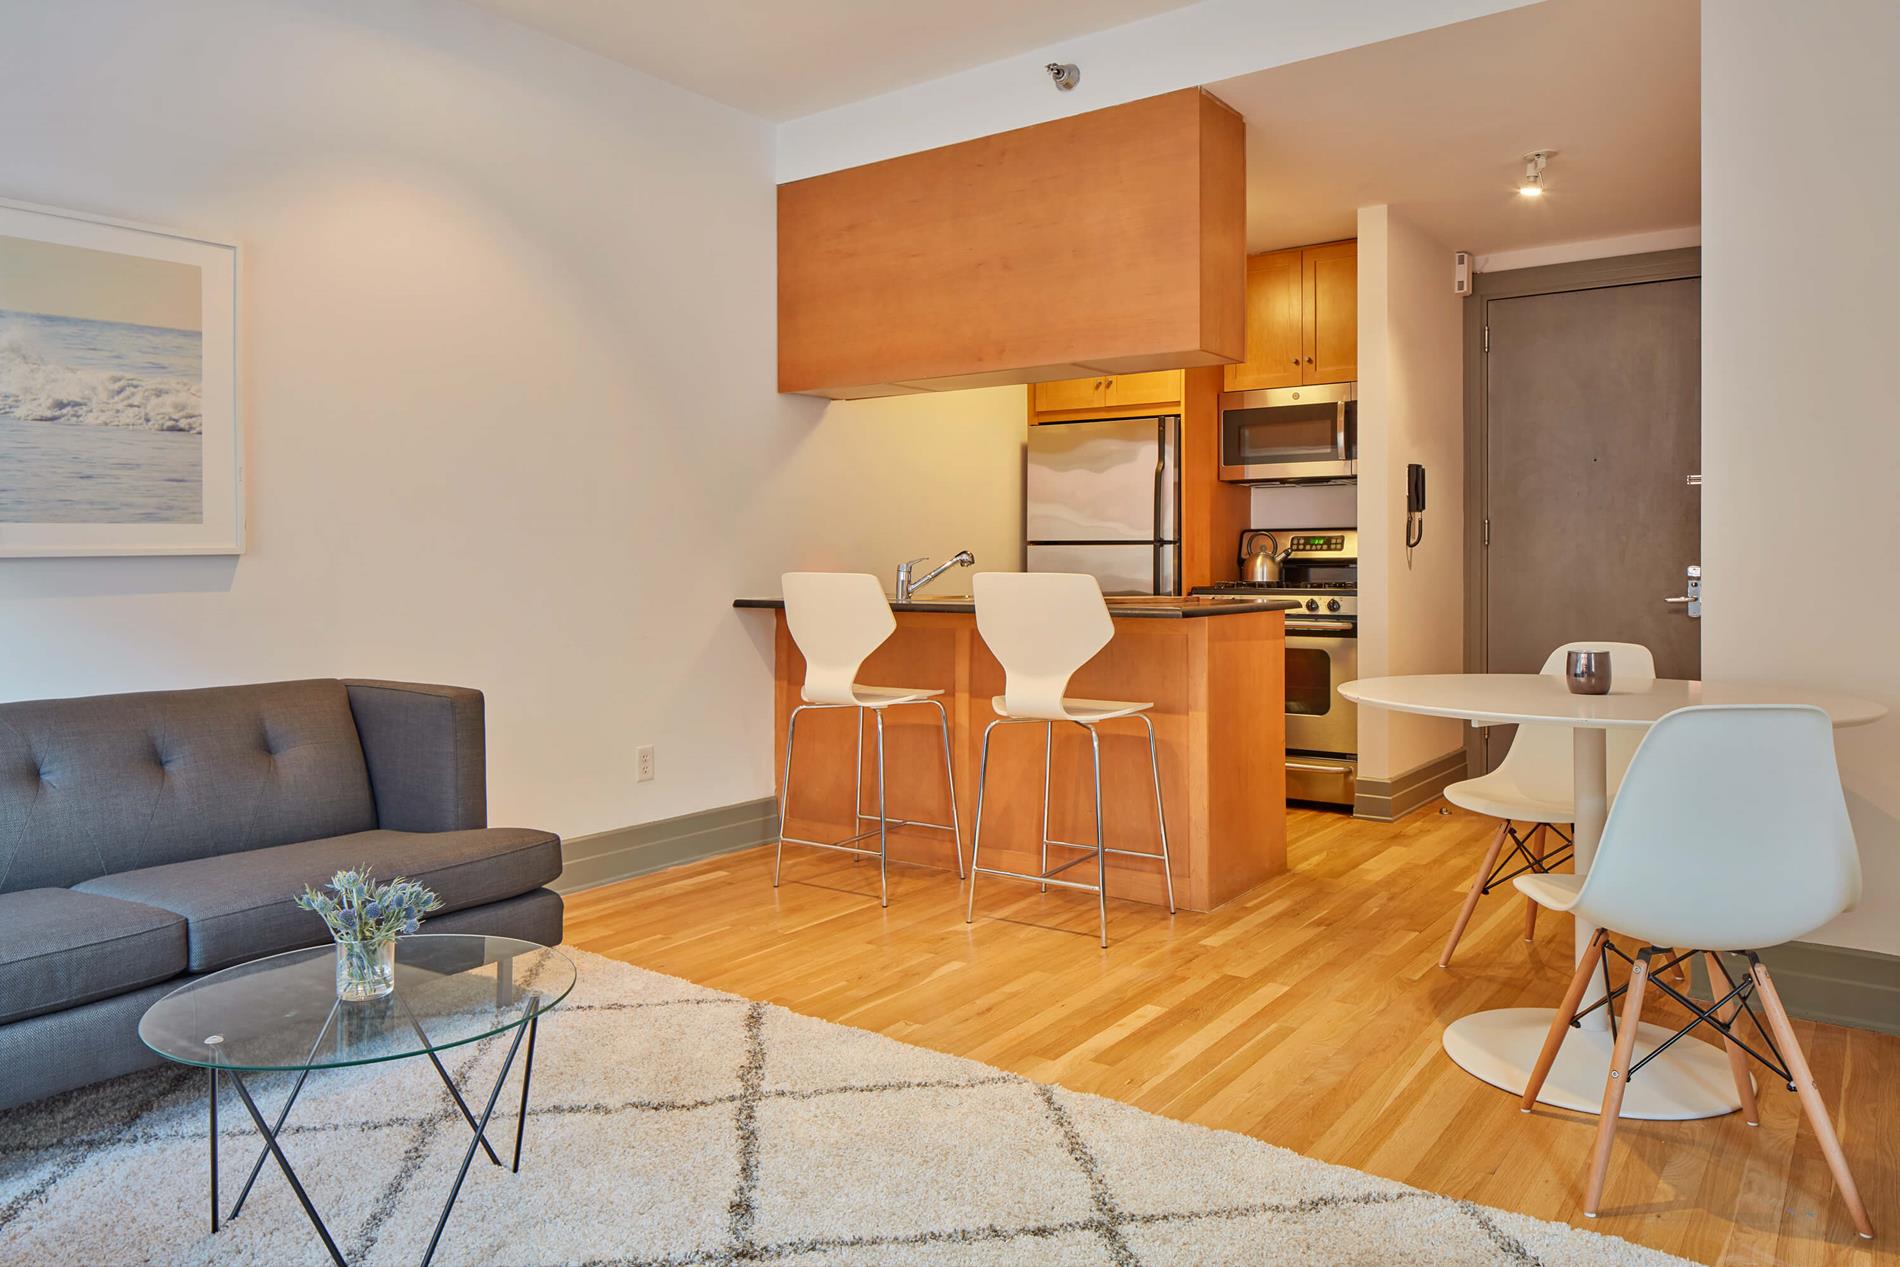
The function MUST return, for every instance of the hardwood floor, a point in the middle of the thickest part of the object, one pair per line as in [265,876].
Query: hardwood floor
[1305,1012]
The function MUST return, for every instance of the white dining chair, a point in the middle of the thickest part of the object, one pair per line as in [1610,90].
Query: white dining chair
[1042,627]
[838,619]
[1730,833]
[1533,785]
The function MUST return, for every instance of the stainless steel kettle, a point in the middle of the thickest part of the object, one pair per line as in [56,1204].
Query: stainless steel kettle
[1261,565]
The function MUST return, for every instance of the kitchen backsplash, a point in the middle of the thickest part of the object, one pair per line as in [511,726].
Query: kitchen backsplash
[1297,505]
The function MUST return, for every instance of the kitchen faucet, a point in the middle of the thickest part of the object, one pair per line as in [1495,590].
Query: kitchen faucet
[907,587]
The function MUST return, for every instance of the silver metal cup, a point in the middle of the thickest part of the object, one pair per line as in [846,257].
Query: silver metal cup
[1588,672]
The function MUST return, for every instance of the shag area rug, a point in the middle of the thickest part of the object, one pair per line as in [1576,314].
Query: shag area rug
[672,1124]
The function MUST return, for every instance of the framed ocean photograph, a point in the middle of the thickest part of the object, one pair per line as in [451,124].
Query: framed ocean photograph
[118,389]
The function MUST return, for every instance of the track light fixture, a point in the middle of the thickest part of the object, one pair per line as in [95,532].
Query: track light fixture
[1533,183]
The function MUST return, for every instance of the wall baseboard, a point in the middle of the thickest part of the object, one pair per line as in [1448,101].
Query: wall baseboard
[625,852]
[1836,985]
[1383,800]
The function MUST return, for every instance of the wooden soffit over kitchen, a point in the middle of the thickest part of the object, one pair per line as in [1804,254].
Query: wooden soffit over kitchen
[1107,242]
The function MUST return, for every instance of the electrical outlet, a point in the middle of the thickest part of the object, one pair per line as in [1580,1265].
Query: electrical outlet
[643,758]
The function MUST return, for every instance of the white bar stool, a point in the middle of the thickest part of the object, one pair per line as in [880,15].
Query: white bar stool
[1535,784]
[1730,833]
[1042,627]
[838,619]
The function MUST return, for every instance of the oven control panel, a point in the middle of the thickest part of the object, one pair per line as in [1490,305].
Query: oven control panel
[1333,547]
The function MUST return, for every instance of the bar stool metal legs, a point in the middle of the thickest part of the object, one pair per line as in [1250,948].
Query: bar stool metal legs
[1047,875]
[882,818]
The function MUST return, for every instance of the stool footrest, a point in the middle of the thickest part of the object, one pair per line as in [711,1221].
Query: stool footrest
[841,846]
[1073,862]
[1036,879]
[1124,853]
[902,822]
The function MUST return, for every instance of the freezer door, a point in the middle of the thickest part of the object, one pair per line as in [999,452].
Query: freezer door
[1143,568]
[1102,481]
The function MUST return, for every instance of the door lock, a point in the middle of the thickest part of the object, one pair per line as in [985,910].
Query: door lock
[1692,599]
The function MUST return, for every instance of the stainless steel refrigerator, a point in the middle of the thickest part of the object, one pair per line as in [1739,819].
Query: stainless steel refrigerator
[1105,498]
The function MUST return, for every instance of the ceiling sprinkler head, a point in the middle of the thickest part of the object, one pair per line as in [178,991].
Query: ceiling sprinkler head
[1066,74]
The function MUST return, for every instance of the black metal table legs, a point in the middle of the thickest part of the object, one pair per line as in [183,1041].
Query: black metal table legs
[213,1079]
[526,1030]
[493,1098]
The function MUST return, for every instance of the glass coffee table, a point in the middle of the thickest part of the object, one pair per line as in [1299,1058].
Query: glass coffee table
[282,1015]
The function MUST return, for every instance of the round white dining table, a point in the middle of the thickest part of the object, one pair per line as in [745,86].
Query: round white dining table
[1691,1079]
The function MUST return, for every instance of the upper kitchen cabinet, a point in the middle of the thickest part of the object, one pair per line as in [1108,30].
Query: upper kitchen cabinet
[1105,395]
[1329,313]
[1302,318]
[1099,247]
[1273,324]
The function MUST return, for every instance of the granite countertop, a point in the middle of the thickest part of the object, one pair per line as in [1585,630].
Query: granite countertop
[1149,607]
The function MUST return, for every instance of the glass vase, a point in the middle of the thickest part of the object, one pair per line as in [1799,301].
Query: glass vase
[365,970]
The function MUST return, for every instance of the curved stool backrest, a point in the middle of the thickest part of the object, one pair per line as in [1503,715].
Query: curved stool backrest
[837,619]
[1540,759]
[1041,627]
[1730,832]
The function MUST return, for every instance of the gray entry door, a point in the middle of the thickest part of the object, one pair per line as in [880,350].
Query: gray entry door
[1593,423]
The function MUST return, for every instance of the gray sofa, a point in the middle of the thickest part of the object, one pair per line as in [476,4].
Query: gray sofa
[148,838]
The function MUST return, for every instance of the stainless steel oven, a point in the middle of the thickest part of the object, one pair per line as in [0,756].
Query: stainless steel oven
[1322,726]
[1290,435]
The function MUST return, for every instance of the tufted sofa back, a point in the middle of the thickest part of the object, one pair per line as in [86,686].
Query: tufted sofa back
[111,783]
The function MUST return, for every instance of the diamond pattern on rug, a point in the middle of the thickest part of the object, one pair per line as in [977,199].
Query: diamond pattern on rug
[672,1125]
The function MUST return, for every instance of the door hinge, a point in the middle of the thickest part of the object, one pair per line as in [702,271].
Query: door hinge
[1487,530]
[1487,336]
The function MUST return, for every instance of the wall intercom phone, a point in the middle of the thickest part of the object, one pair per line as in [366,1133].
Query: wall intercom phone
[1414,507]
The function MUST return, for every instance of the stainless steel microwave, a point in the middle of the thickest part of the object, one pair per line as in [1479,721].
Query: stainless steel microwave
[1290,435]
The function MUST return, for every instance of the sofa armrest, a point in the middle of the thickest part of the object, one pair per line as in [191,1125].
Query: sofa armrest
[427,758]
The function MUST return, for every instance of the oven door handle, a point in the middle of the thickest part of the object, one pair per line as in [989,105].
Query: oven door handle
[1318,626]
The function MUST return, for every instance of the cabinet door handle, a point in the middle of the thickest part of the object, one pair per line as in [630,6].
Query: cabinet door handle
[1296,360]
[1309,360]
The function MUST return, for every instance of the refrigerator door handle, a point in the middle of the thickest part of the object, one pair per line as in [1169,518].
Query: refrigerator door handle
[1161,471]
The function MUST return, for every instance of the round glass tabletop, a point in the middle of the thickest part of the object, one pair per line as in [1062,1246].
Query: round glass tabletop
[283,1013]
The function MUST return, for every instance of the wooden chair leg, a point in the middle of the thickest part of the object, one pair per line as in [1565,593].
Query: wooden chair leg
[1471,898]
[1620,1060]
[1811,1099]
[1560,1023]
[1537,842]
[1737,1058]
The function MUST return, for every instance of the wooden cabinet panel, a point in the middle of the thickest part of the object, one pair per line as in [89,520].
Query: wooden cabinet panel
[1160,387]
[1068,393]
[1329,336]
[1274,337]
[1112,239]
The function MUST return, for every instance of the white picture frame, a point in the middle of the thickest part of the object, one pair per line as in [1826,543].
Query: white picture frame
[148,525]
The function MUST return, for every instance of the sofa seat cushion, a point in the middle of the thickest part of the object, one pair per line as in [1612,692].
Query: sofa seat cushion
[59,948]
[240,906]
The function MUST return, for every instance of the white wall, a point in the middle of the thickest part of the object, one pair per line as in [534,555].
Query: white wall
[507,379]
[1411,409]
[1197,44]
[1800,434]
[880,481]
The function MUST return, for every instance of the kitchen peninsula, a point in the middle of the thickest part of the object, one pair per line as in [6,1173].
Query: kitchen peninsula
[1215,671]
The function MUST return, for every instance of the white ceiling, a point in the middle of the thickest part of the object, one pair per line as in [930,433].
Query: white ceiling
[782,59]
[1436,124]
